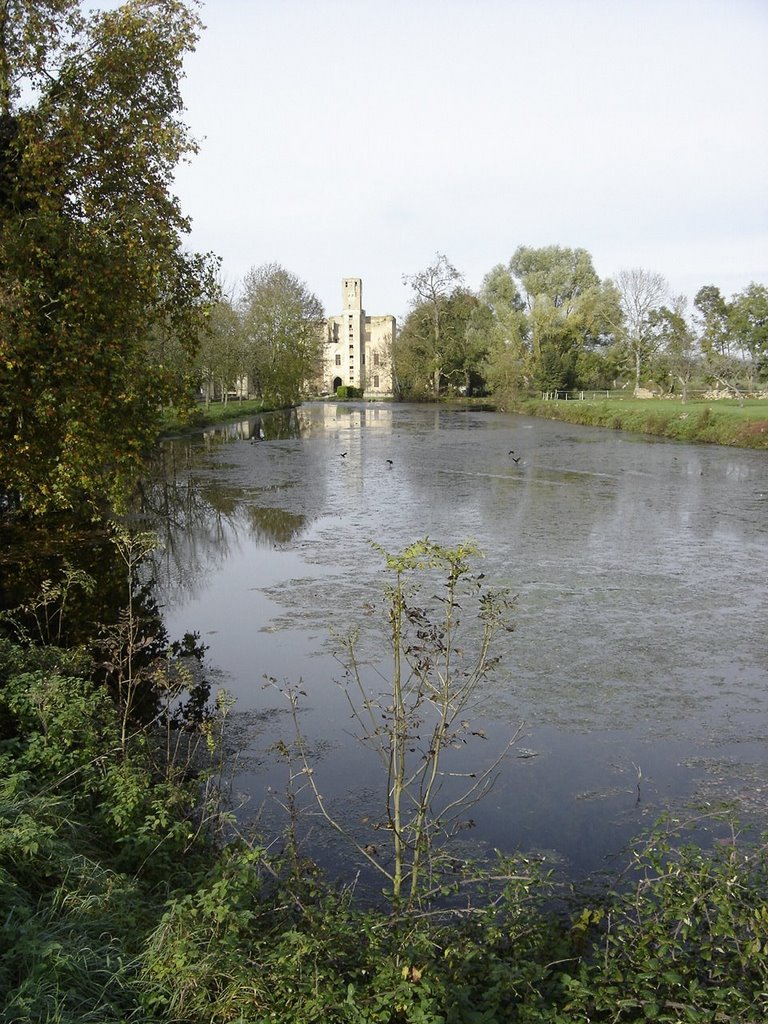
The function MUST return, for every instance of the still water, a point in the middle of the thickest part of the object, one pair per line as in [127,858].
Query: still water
[638,668]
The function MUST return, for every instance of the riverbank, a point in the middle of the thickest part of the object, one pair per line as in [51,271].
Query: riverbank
[214,412]
[725,422]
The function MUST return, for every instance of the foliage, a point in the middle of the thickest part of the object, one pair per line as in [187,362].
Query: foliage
[281,321]
[687,942]
[431,288]
[251,945]
[570,310]
[72,925]
[95,287]
[748,320]
[223,355]
[712,316]
[507,365]
[426,370]
[345,391]
[674,336]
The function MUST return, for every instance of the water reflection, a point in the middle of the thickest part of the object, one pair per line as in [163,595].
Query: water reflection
[640,568]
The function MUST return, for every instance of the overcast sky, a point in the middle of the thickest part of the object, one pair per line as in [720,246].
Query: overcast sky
[343,138]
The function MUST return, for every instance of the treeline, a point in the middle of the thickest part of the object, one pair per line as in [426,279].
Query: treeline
[545,322]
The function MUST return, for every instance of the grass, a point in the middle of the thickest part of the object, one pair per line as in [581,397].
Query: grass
[724,422]
[215,412]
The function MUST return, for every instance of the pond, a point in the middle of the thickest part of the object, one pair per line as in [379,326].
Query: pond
[637,672]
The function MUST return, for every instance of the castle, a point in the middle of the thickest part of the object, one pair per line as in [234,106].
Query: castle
[357,349]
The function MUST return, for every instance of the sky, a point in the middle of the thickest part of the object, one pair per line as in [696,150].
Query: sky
[359,138]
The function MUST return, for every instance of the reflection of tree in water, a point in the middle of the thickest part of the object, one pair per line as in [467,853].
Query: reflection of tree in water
[68,584]
[33,553]
[197,516]
[274,524]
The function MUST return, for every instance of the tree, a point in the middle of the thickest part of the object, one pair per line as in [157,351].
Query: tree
[282,323]
[748,322]
[223,356]
[508,363]
[92,269]
[35,35]
[642,292]
[431,289]
[715,337]
[673,335]
[467,327]
[464,331]
[712,318]
[569,308]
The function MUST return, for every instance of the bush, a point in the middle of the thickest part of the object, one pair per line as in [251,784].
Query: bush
[687,942]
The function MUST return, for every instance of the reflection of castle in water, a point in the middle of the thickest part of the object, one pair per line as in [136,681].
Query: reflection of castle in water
[319,418]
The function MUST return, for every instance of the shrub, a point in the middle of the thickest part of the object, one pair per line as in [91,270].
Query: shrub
[687,942]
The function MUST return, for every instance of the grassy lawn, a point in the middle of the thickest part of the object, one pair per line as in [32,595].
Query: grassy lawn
[214,412]
[725,422]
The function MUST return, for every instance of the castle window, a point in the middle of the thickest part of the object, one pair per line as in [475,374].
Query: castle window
[338,359]
[375,380]
[375,358]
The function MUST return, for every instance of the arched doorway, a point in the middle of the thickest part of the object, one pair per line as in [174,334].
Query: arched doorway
[337,382]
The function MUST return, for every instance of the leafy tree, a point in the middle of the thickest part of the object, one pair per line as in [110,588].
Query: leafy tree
[597,368]
[642,292]
[92,269]
[569,308]
[281,321]
[748,321]
[730,333]
[464,331]
[712,319]
[673,334]
[223,354]
[431,288]
[35,36]
[508,363]
[562,275]
[467,324]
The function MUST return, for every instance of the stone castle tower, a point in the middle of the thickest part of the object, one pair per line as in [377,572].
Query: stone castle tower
[358,348]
